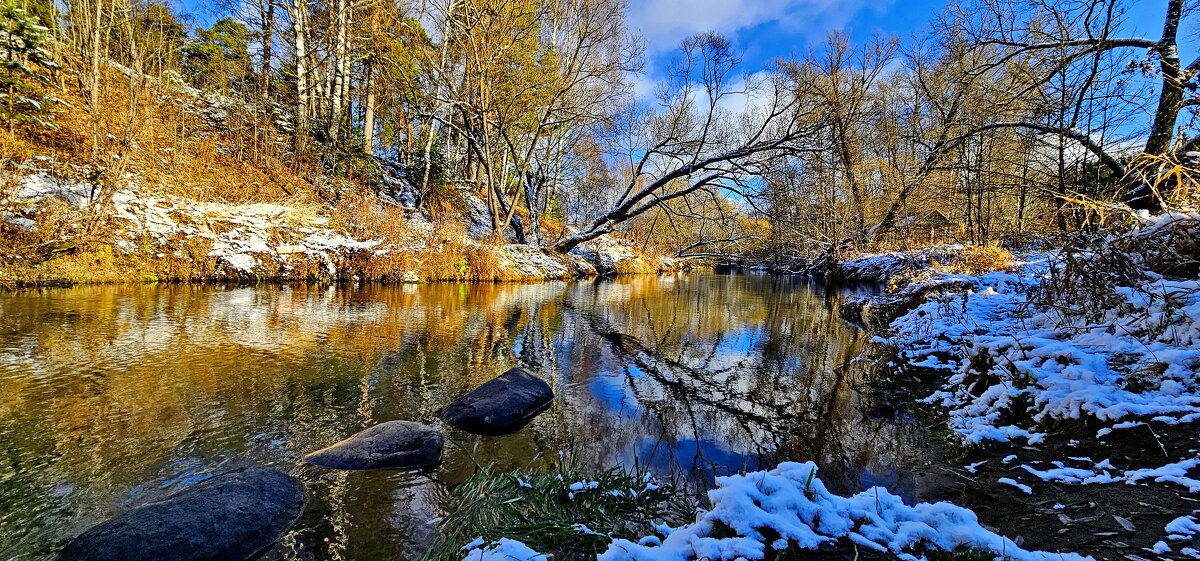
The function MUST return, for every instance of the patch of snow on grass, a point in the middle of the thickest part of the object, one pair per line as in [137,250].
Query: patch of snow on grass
[1021,486]
[1183,528]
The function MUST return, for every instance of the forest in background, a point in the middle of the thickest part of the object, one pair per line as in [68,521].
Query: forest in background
[1007,117]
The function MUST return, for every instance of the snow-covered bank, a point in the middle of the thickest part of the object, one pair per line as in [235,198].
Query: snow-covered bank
[886,266]
[1088,351]
[149,235]
[1014,362]
[789,508]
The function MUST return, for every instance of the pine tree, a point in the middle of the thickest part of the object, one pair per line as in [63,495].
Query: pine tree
[23,65]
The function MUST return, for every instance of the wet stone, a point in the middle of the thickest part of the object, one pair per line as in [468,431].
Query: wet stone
[502,405]
[229,517]
[390,445]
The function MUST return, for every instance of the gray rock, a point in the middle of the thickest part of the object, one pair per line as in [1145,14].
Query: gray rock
[502,405]
[230,517]
[390,445]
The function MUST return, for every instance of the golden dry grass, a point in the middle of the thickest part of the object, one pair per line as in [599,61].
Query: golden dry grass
[976,260]
[163,137]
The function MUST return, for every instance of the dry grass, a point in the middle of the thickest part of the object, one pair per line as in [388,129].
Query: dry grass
[165,138]
[17,147]
[178,146]
[1180,180]
[977,260]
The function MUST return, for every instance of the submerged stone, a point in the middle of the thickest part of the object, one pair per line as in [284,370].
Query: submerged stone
[230,517]
[390,445]
[502,405]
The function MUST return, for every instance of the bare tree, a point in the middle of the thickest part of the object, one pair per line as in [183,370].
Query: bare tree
[693,143]
[1047,36]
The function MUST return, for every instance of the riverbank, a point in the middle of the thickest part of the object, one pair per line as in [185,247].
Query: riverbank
[55,232]
[1063,384]
[1065,381]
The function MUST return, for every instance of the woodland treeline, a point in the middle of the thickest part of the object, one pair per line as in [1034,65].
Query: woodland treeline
[1008,116]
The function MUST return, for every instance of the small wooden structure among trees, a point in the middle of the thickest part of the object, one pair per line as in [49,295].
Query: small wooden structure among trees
[924,228]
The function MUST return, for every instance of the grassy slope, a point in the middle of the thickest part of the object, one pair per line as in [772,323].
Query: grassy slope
[186,149]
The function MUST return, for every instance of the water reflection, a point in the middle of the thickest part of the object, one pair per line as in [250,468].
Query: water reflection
[111,397]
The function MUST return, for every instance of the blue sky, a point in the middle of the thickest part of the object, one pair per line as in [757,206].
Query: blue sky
[766,29]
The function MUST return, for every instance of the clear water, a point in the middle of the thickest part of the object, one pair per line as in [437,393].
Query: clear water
[113,396]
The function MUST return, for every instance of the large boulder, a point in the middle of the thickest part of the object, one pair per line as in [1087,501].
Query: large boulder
[502,405]
[390,445]
[230,517]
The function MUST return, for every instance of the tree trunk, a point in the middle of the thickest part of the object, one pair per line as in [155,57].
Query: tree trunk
[264,78]
[1170,98]
[369,111]
[299,16]
[1170,101]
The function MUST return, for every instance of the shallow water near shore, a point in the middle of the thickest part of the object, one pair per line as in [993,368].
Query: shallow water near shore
[114,396]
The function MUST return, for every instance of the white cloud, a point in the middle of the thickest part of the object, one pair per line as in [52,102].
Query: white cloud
[664,23]
[752,91]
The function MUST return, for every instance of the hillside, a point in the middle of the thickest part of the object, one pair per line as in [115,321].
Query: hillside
[197,192]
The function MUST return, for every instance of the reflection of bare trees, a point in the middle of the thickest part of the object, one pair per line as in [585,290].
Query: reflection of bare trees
[689,384]
[775,377]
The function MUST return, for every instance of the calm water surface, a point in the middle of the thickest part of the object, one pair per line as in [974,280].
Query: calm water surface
[111,397]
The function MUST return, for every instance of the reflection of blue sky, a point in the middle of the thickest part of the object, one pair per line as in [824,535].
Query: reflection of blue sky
[703,458]
[735,347]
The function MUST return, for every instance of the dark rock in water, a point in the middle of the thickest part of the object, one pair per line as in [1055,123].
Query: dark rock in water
[230,517]
[877,312]
[502,405]
[390,445]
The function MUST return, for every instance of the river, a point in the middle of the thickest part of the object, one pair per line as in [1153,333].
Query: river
[113,396]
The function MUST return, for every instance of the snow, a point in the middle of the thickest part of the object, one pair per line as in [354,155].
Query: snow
[581,485]
[503,549]
[798,510]
[243,242]
[789,506]
[38,187]
[1182,528]
[1009,481]
[1175,473]
[583,529]
[882,267]
[1057,367]
[255,239]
